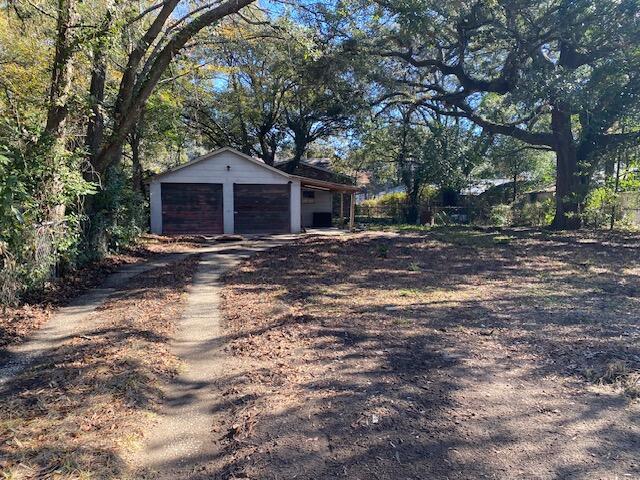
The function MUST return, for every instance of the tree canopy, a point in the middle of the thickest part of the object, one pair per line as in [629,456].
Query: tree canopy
[558,74]
[95,95]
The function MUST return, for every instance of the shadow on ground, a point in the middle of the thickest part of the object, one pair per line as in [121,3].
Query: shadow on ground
[452,354]
[82,406]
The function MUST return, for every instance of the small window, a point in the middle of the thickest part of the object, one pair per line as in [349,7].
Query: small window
[308,196]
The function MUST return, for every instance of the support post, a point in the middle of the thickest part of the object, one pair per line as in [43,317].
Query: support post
[352,212]
[342,222]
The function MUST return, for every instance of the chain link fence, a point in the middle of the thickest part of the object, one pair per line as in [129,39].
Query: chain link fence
[430,215]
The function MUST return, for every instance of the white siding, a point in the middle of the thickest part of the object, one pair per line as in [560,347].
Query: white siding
[214,170]
[323,202]
[227,168]
[296,214]
[155,205]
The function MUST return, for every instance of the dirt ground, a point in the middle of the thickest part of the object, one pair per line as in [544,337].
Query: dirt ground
[78,411]
[454,354]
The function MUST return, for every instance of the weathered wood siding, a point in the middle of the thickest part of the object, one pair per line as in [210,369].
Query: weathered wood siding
[192,208]
[262,208]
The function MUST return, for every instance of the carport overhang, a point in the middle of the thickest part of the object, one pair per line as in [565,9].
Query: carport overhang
[341,188]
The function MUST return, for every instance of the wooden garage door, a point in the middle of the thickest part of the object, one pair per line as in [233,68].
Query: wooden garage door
[192,208]
[261,208]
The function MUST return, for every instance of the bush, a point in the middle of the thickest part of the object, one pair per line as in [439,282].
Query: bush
[39,191]
[10,284]
[120,217]
[43,227]
[501,215]
[536,214]
[391,208]
[389,205]
[599,206]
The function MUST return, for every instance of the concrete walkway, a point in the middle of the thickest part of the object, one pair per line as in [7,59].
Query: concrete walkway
[75,319]
[180,443]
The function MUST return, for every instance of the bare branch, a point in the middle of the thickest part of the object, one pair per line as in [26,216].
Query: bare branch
[145,12]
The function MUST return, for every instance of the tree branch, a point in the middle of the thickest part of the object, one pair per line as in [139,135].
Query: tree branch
[510,130]
[502,84]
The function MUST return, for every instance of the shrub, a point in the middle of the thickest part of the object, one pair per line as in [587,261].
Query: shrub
[536,214]
[599,205]
[501,215]
[120,218]
[43,228]
[391,208]
[39,193]
[389,205]
[10,284]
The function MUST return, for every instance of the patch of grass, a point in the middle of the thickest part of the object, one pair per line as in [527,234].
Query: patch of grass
[403,322]
[382,250]
[414,267]
[619,375]
[503,239]
[409,292]
[403,227]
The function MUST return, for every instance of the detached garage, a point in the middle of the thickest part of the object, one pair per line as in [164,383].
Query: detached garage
[228,192]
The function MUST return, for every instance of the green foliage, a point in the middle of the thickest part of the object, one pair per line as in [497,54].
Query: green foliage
[121,216]
[39,227]
[601,203]
[535,214]
[273,94]
[501,215]
[514,160]
[529,70]
[382,250]
[389,205]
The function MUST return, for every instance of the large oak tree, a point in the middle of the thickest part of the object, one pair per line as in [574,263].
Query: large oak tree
[560,74]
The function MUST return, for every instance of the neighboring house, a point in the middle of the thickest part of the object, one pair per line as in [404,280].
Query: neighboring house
[480,186]
[534,196]
[226,191]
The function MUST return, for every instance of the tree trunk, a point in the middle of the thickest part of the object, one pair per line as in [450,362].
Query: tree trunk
[300,142]
[267,150]
[137,86]
[136,161]
[95,127]
[570,183]
[609,167]
[299,151]
[61,73]
[413,208]
[52,140]
[616,187]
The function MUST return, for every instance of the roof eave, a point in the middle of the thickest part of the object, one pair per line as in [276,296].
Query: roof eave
[333,186]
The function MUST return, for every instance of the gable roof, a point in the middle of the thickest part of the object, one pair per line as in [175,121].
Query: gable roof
[317,163]
[305,168]
[217,152]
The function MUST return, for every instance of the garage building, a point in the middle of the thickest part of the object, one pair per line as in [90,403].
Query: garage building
[226,191]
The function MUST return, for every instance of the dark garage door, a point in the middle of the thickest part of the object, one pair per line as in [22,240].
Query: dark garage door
[261,208]
[192,208]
